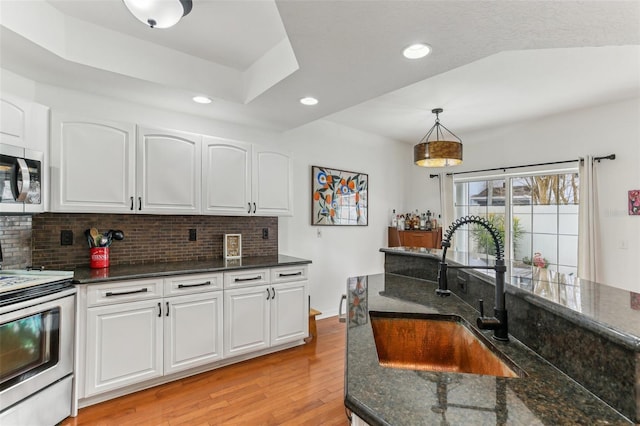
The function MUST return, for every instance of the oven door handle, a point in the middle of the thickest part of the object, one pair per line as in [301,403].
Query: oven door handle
[21,180]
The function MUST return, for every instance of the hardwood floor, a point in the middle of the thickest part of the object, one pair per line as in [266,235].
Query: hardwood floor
[298,386]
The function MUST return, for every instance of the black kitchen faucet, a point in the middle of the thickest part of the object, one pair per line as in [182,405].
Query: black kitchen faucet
[498,323]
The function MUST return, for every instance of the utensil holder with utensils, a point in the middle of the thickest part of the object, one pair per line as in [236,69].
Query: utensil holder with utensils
[99,246]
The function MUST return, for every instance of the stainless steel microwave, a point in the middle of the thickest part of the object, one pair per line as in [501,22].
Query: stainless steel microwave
[21,185]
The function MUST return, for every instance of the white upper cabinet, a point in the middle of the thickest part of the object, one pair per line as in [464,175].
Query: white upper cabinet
[13,120]
[25,124]
[92,165]
[168,172]
[272,184]
[245,179]
[100,166]
[226,177]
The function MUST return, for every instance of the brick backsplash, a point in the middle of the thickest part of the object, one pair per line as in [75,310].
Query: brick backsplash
[15,238]
[148,238]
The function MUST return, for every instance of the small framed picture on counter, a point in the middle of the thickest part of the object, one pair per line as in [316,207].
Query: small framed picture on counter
[232,246]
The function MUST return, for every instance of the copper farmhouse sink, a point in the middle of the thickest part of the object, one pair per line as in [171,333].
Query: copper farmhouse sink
[435,342]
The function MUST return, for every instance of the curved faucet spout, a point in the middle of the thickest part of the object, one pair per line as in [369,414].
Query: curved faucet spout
[498,322]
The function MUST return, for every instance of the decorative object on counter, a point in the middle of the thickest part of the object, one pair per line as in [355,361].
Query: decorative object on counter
[228,263]
[439,152]
[634,202]
[358,307]
[338,197]
[232,246]
[159,13]
[99,246]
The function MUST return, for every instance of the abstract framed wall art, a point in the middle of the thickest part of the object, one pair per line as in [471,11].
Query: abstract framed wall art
[338,197]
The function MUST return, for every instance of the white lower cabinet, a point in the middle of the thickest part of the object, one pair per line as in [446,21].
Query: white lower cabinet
[263,316]
[246,319]
[141,330]
[289,312]
[192,331]
[124,345]
[129,340]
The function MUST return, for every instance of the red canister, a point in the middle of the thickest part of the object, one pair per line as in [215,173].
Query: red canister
[99,257]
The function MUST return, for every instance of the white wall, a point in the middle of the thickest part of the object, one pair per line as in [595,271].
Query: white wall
[598,131]
[342,251]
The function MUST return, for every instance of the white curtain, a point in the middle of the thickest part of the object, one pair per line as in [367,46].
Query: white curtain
[588,244]
[446,200]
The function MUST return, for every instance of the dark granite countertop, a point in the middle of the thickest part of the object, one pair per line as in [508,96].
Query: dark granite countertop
[86,275]
[387,396]
[602,308]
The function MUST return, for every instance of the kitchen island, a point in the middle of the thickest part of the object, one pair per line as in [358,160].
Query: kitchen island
[389,396]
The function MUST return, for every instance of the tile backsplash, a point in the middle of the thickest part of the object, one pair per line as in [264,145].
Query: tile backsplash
[148,238]
[15,238]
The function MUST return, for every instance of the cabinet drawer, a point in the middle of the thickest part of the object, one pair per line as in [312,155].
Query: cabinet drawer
[246,278]
[189,284]
[285,274]
[123,291]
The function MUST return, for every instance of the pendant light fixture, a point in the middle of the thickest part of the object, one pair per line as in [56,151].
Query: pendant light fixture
[159,13]
[439,152]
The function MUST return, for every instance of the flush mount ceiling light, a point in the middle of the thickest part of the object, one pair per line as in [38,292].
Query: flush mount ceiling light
[438,152]
[201,99]
[159,13]
[416,51]
[309,101]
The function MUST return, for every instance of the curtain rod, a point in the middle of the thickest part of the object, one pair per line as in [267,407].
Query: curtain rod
[598,159]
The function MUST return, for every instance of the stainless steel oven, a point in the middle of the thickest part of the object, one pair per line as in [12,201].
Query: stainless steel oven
[37,327]
[21,172]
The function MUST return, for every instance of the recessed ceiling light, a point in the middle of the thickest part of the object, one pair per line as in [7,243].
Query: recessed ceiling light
[309,101]
[201,99]
[417,51]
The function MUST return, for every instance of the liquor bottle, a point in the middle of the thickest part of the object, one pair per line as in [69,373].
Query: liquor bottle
[394,219]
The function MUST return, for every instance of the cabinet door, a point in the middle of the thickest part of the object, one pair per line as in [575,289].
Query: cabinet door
[92,165]
[272,182]
[13,120]
[289,312]
[168,172]
[124,345]
[226,177]
[246,319]
[419,239]
[192,330]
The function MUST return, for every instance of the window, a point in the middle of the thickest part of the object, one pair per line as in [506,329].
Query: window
[542,210]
